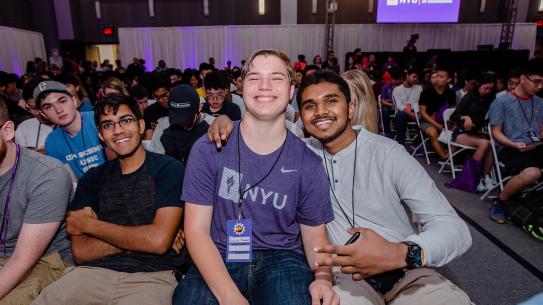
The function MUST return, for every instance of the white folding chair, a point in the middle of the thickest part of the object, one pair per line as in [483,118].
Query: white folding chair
[421,135]
[450,144]
[379,102]
[498,167]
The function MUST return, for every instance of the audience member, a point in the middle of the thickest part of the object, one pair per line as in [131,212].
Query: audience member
[277,269]
[301,64]
[34,246]
[470,82]
[161,93]
[389,64]
[387,100]
[329,56]
[470,118]
[175,75]
[216,90]
[317,61]
[75,140]
[82,102]
[365,109]
[406,99]
[123,220]
[516,119]
[141,95]
[204,69]
[432,102]
[33,132]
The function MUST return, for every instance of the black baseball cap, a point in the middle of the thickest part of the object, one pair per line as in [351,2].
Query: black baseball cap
[184,104]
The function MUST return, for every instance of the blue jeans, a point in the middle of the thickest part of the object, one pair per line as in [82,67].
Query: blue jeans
[401,126]
[280,277]
[386,111]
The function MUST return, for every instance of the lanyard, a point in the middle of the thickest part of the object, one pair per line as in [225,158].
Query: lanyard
[38,136]
[5,219]
[353,223]
[524,113]
[241,194]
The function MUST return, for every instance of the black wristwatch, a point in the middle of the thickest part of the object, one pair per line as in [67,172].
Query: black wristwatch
[415,255]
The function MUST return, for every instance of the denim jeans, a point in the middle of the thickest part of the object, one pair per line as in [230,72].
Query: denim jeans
[280,277]
[386,112]
[401,126]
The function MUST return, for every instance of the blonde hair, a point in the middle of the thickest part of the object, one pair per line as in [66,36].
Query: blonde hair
[116,84]
[365,110]
[269,52]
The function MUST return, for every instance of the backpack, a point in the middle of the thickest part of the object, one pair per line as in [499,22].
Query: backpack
[526,211]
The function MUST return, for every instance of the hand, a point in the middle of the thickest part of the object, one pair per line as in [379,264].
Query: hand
[220,130]
[40,150]
[371,254]
[440,127]
[519,145]
[321,290]
[234,299]
[468,123]
[76,221]
[179,241]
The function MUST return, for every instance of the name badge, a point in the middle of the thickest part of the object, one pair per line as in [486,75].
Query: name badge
[533,136]
[239,241]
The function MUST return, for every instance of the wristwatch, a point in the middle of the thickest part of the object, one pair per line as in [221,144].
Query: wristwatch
[415,255]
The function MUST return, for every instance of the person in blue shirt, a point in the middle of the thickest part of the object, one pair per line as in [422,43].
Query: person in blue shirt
[75,141]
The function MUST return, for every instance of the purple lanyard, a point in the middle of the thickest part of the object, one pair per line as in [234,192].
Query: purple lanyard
[5,219]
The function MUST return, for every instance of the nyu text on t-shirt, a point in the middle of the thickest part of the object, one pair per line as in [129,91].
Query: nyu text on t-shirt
[296,191]
[81,152]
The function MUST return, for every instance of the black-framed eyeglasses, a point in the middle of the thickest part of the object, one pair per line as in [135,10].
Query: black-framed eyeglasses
[537,82]
[124,122]
[163,96]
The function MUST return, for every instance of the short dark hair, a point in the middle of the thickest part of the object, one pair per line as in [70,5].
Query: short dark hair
[173,71]
[412,71]
[113,101]
[69,78]
[323,76]
[396,73]
[215,80]
[534,67]
[205,66]
[28,89]
[138,92]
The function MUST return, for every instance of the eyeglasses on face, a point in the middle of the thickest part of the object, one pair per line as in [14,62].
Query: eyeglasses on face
[124,122]
[537,82]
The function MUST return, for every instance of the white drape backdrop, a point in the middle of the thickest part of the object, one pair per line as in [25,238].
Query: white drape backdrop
[189,46]
[17,47]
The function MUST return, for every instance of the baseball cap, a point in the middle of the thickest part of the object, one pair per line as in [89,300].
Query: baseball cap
[46,87]
[183,105]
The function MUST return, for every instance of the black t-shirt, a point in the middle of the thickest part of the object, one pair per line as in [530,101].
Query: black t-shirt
[178,142]
[153,113]
[16,113]
[228,108]
[434,101]
[132,200]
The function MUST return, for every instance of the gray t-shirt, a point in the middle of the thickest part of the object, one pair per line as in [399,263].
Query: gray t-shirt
[517,116]
[40,194]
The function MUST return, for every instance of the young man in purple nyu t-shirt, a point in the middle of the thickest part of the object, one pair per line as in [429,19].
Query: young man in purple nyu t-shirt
[257,251]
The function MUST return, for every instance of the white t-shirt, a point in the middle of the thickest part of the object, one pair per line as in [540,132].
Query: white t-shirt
[27,135]
[403,96]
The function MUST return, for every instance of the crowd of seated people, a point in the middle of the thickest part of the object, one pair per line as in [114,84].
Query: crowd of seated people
[99,165]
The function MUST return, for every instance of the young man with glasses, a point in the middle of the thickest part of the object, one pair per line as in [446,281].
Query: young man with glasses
[216,89]
[75,140]
[34,193]
[516,119]
[33,132]
[123,220]
[161,93]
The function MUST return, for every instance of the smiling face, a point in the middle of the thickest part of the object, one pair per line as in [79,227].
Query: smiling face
[267,87]
[121,131]
[325,111]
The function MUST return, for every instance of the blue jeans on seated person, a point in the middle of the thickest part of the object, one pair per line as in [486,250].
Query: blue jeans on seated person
[401,126]
[386,111]
[280,277]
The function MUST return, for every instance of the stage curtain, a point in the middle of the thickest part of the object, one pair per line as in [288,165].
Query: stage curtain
[185,47]
[17,47]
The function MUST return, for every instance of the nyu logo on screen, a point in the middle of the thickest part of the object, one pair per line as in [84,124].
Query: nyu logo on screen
[419,2]
[417,11]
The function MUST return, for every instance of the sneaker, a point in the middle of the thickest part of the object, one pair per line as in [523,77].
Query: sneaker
[481,187]
[496,212]
[489,183]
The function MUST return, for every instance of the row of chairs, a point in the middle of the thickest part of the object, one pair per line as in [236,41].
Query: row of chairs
[454,149]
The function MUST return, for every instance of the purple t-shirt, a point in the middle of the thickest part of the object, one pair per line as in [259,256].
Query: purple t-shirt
[296,191]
